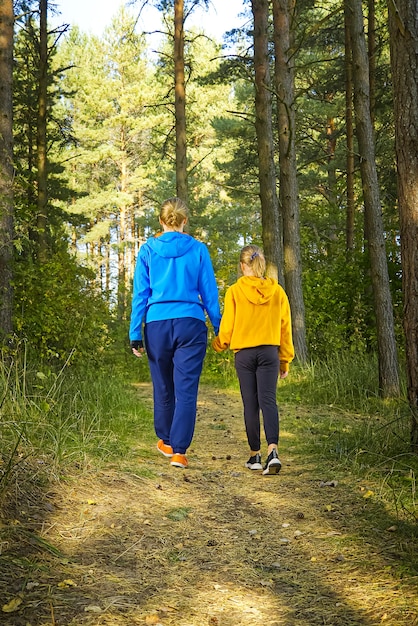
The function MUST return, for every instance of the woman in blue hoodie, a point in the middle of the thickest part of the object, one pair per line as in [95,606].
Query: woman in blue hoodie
[174,286]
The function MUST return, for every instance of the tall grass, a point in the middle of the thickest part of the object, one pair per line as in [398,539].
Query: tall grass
[348,385]
[342,379]
[66,417]
[348,424]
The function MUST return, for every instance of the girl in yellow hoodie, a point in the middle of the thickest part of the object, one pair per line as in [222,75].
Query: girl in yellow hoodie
[256,325]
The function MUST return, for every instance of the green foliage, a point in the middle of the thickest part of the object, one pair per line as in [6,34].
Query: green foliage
[25,122]
[58,312]
[339,299]
[338,306]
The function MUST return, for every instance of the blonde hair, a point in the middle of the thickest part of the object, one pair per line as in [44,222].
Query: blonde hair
[253,257]
[173,212]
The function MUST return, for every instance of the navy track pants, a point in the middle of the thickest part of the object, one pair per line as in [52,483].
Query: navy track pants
[176,349]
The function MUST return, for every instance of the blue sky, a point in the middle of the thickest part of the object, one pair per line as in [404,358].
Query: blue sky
[94,15]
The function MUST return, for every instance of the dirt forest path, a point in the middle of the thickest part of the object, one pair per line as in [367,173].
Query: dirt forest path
[214,545]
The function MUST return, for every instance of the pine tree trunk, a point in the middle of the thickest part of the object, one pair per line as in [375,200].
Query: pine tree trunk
[387,352]
[350,211]
[6,167]
[403,26]
[331,166]
[271,227]
[41,141]
[122,231]
[371,51]
[289,201]
[180,101]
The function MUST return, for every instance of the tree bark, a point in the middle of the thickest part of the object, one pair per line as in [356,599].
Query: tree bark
[180,101]
[41,141]
[386,344]
[6,168]
[403,28]
[371,50]
[350,211]
[271,227]
[288,194]
[122,232]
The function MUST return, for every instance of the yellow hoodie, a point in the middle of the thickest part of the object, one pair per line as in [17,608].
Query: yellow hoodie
[256,313]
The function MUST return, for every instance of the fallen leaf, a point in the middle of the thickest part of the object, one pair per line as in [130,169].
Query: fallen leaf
[67,583]
[13,605]
[368,494]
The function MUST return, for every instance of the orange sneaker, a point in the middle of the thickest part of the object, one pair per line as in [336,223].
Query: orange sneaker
[164,448]
[179,460]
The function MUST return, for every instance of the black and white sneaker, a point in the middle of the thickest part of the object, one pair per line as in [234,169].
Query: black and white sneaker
[254,462]
[273,465]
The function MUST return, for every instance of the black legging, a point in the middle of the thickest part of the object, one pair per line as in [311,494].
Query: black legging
[258,370]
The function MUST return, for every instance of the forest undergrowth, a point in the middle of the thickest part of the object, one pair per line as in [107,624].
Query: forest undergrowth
[98,529]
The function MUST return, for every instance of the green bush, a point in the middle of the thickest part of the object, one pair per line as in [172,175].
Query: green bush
[58,312]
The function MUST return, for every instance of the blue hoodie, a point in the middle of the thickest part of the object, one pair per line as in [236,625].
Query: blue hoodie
[173,278]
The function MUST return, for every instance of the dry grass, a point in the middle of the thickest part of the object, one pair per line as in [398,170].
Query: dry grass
[145,543]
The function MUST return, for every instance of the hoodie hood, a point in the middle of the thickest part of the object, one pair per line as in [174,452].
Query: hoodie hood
[257,290]
[171,244]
